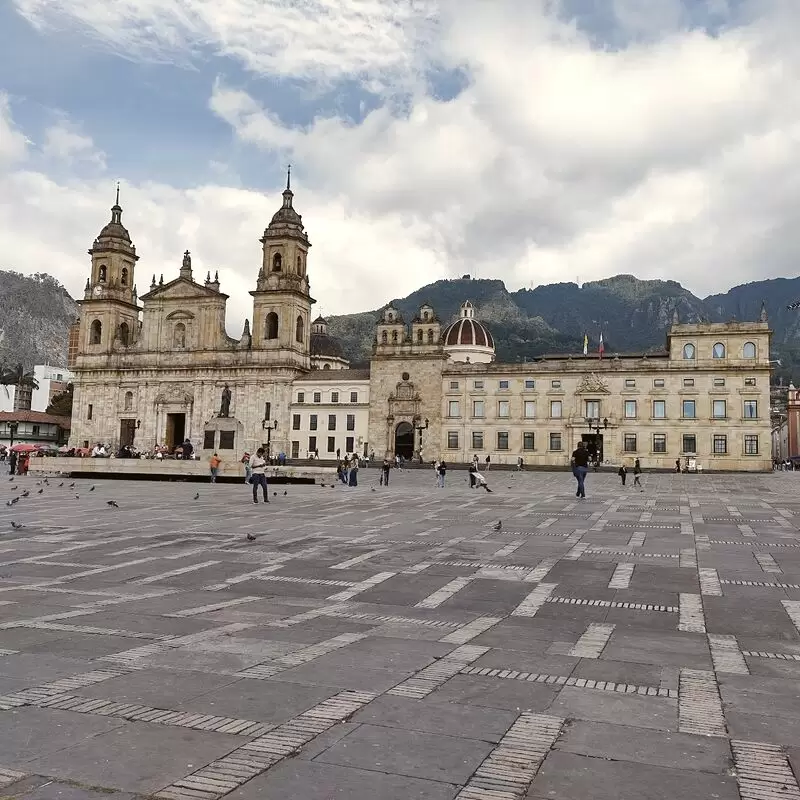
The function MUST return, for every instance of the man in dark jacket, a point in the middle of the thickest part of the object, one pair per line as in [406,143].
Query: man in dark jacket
[580,466]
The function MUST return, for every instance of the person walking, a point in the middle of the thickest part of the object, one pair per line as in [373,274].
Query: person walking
[623,473]
[213,465]
[440,474]
[472,470]
[258,474]
[488,462]
[246,461]
[385,467]
[352,473]
[480,482]
[580,467]
[637,474]
[520,463]
[12,463]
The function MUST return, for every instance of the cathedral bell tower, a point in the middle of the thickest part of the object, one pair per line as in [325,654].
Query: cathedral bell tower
[109,309]
[282,300]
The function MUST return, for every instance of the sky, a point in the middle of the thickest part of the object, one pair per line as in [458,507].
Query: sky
[535,141]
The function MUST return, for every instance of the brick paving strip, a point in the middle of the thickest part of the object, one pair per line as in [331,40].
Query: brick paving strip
[241,765]
[510,768]
[580,601]
[621,579]
[793,610]
[534,600]
[763,772]
[709,582]
[593,641]
[692,619]
[726,655]
[435,599]
[761,654]
[699,704]
[765,584]
[422,683]
[767,563]
[564,680]
[39,694]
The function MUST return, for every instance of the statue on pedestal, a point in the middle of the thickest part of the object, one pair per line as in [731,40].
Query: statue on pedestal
[225,406]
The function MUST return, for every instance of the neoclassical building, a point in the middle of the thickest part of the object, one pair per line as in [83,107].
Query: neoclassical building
[160,367]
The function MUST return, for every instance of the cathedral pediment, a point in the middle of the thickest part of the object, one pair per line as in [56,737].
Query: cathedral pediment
[181,289]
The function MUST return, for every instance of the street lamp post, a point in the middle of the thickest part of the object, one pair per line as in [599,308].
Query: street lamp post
[419,428]
[594,423]
[269,426]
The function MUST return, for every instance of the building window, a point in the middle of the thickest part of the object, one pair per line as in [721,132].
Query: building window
[659,442]
[555,441]
[430,337]
[300,330]
[331,444]
[295,449]
[555,411]
[394,337]
[659,409]
[527,440]
[384,337]
[124,334]
[317,397]
[630,409]
[592,409]
[295,422]
[688,409]
[688,352]
[35,430]
[351,422]
[719,382]
[751,445]
[208,440]
[267,410]
[658,383]
[453,385]
[719,409]
[477,385]
[477,408]
[530,409]
[530,383]
[477,440]
[689,443]
[419,337]
[89,411]
[555,384]
[453,408]
[301,397]
[353,397]
[749,350]
[630,383]
[271,326]
[331,422]
[504,384]
[719,350]
[749,381]
[452,440]
[312,444]
[102,273]
[349,444]
[720,444]
[751,409]
[312,422]
[503,409]
[179,336]
[128,401]
[688,383]
[277,262]
[629,442]
[96,332]
[334,397]
[502,440]
[227,439]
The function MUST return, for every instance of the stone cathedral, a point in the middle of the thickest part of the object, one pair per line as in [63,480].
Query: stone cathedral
[159,368]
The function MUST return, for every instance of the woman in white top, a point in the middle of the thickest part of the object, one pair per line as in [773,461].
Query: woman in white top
[258,474]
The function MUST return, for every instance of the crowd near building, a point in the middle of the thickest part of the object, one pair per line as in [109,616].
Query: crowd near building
[159,368]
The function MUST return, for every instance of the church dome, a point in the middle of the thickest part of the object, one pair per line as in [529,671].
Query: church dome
[115,229]
[322,343]
[468,339]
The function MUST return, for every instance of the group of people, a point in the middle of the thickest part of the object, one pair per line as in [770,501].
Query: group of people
[347,470]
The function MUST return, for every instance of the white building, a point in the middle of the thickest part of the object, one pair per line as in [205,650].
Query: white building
[51,381]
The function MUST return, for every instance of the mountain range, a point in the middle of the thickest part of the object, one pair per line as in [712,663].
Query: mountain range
[633,315]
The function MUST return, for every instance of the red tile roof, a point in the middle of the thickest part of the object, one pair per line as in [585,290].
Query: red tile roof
[35,416]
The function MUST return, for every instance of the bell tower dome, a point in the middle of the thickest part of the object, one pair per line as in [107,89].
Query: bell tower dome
[282,298]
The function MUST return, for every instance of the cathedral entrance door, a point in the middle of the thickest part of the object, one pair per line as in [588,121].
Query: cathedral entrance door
[176,430]
[594,444]
[127,431]
[404,440]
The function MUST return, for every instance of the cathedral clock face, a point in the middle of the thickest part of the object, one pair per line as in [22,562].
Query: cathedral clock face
[98,290]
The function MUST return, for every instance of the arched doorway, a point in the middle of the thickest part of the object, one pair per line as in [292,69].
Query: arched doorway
[404,440]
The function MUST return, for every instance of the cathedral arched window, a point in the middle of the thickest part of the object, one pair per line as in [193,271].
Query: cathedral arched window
[384,337]
[327,366]
[277,262]
[271,326]
[96,332]
[124,333]
[299,330]
[749,350]
[102,274]
[425,316]
[719,350]
[430,337]
[179,336]
[419,337]
[128,401]
[299,265]
[394,337]
[124,280]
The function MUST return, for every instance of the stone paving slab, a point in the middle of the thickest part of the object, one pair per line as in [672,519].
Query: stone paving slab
[393,644]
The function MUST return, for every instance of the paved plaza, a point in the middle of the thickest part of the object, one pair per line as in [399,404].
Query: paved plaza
[393,643]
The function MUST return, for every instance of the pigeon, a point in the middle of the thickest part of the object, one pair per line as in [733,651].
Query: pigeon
[40,491]
[11,502]
[275,494]
[14,488]
[372,489]
[16,525]
[250,537]
[60,484]
[197,496]
[92,489]
[498,525]
[322,485]
[285,493]
[77,497]
[112,503]
[11,479]
[25,493]
[72,485]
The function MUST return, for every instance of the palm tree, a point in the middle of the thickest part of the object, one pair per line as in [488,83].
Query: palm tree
[16,376]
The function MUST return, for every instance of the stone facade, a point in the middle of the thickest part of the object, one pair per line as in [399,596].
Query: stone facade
[161,368]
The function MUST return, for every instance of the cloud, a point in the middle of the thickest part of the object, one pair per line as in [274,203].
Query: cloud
[63,142]
[13,144]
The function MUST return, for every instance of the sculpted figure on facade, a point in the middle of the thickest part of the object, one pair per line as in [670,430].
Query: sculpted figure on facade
[225,406]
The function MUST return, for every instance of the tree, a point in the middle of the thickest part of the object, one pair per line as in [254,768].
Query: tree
[16,376]
[61,404]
